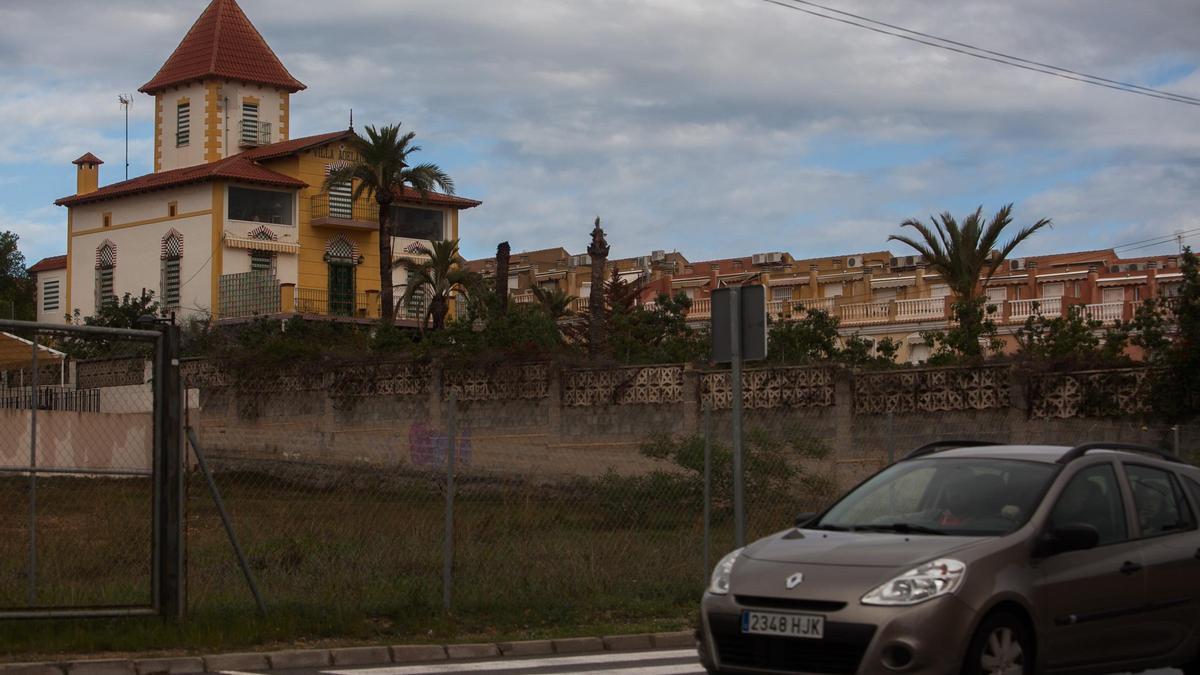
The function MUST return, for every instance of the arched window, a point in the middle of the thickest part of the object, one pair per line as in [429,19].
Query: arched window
[172,258]
[106,266]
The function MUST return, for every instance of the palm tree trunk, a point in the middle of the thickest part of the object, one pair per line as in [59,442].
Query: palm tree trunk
[439,307]
[386,301]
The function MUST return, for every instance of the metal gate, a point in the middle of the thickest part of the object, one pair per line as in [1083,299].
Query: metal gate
[91,471]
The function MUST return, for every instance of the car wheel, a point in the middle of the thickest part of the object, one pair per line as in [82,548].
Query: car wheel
[1001,646]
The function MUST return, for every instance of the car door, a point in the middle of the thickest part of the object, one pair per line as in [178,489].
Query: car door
[1166,528]
[1083,596]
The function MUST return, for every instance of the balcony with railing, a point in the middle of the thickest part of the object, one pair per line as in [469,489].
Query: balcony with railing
[254,133]
[1105,312]
[340,210]
[323,302]
[1019,310]
[861,313]
[920,309]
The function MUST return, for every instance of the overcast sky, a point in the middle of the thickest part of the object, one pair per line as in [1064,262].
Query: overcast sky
[712,127]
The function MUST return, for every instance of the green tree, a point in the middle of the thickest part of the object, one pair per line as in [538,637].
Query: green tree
[1175,395]
[1070,342]
[964,255]
[555,301]
[17,289]
[439,277]
[125,312]
[382,171]
[812,338]
[657,334]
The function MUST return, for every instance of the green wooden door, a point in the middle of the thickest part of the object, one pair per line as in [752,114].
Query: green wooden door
[341,289]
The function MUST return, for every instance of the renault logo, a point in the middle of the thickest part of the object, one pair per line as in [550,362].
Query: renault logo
[795,580]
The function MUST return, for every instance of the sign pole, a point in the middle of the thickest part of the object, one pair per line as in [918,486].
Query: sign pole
[735,343]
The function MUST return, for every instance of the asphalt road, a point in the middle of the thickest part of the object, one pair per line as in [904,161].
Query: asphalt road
[675,662]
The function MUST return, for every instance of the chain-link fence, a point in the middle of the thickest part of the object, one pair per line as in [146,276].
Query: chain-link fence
[567,505]
[77,468]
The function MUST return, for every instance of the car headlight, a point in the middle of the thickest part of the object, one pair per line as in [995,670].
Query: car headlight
[919,584]
[719,585]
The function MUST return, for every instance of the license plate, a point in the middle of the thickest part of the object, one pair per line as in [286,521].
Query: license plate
[788,625]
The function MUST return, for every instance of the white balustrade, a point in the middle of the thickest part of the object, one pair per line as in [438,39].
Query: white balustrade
[920,309]
[1019,310]
[701,308]
[865,312]
[1107,312]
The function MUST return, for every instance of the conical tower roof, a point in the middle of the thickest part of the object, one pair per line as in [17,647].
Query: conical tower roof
[224,44]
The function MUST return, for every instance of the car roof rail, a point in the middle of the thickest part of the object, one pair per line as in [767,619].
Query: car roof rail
[938,446]
[1081,450]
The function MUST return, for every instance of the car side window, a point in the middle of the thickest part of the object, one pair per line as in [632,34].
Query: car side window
[1093,497]
[1161,505]
[1194,487]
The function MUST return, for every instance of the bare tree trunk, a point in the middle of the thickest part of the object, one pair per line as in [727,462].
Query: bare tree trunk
[386,301]
[502,255]
[597,313]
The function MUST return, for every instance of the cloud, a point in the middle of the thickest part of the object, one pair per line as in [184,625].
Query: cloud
[713,128]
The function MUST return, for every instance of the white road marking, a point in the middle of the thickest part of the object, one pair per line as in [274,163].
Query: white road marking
[515,664]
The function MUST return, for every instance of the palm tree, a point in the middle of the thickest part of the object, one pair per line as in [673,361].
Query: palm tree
[961,253]
[438,278]
[382,170]
[555,301]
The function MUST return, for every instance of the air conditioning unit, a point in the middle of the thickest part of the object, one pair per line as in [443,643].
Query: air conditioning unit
[1114,268]
[1016,264]
[853,261]
[775,258]
[894,262]
[580,260]
[658,255]
[759,259]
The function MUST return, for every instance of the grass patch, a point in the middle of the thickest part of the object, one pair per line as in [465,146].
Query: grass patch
[346,556]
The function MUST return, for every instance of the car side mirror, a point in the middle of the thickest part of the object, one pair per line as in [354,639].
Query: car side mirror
[1067,538]
[804,518]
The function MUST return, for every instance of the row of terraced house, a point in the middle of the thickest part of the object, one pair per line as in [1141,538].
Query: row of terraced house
[876,295]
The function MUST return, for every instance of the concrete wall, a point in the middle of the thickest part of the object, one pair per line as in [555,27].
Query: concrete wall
[546,439]
[78,440]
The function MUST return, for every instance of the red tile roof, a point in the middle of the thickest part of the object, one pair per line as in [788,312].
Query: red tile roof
[89,158]
[223,43]
[237,168]
[57,262]
[293,146]
[411,196]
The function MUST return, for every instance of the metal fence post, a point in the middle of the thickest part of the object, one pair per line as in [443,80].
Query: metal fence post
[448,540]
[707,487]
[1175,439]
[168,441]
[891,439]
[735,375]
[33,411]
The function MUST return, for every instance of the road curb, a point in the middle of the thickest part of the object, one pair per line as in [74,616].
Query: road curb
[353,656]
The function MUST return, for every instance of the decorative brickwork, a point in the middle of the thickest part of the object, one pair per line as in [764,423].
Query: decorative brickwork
[110,373]
[384,379]
[932,390]
[623,386]
[771,388]
[201,373]
[502,383]
[1100,393]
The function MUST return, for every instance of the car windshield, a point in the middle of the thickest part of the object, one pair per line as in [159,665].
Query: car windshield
[944,496]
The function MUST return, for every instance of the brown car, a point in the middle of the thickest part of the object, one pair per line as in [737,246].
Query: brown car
[974,558]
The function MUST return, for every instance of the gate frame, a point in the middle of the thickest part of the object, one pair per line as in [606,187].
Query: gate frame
[168,547]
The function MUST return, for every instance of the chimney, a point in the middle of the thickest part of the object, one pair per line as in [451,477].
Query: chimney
[87,174]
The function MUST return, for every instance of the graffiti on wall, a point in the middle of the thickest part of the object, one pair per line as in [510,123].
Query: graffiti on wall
[427,446]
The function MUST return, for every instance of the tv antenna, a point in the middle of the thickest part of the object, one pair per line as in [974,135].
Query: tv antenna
[126,102]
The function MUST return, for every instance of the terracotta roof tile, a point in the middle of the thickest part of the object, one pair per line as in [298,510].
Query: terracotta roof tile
[89,158]
[291,147]
[57,262]
[236,167]
[223,43]
[411,196]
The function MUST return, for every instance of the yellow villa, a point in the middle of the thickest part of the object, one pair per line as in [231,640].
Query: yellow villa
[234,221]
